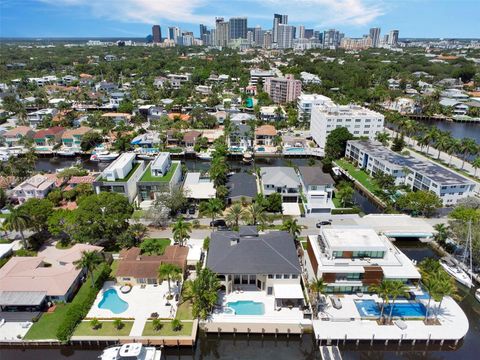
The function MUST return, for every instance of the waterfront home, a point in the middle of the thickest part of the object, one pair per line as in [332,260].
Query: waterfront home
[146,141]
[240,138]
[283,180]
[74,181]
[73,138]
[49,137]
[28,283]
[15,136]
[264,135]
[121,176]
[38,186]
[257,263]
[272,113]
[350,259]
[106,86]
[241,186]
[317,188]
[161,175]
[137,269]
[118,118]
[198,187]
[36,117]
[457,107]
[220,116]
[116,98]
[191,137]
[416,173]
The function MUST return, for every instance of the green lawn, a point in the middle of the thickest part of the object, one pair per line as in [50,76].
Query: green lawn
[106,329]
[158,248]
[337,203]
[125,179]
[147,176]
[358,174]
[184,311]
[114,267]
[167,330]
[176,150]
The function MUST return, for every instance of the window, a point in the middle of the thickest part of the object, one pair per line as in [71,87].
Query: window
[270,276]
[269,290]
[236,279]
[286,276]
[278,276]
[244,279]
[294,276]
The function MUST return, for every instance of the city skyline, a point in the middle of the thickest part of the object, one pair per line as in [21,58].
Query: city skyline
[134,18]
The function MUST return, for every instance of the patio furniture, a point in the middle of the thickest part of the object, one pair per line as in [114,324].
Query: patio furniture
[401,324]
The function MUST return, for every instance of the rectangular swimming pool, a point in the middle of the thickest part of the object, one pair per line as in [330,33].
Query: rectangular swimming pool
[247,307]
[369,308]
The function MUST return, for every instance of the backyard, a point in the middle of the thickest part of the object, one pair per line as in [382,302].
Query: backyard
[167,330]
[360,175]
[105,328]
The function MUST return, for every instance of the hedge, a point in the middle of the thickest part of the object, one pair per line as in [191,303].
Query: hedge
[79,307]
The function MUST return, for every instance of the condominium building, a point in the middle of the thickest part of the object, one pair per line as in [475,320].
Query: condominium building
[413,172]
[267,40]
[283,90]
[238,28]
[285,36]
[277,20]
[258,36]
[222,32]
[173,33]
[350,259]
[375,36]
[358,120]
[306,102]
[156,33]
[393,38]
[257,74]
[332,38]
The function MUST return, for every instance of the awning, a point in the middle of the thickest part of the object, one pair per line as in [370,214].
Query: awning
[22,298]
[287,291]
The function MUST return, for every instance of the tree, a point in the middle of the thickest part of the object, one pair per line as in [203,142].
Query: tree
[345,193]
[222,192]
[38,212]
[446,287]
[317,286]
[337,143]
[90,140]
[419,202]
[202,292]
[292,227]
[181,231]
[398,143]
[176,325]
[442,233]
[118,323]
[157,324]
[383,137]
[383,180]
[430,284]
[233,214]
[89,261]
[476,165]
[274,202]
[383,291]
[169,272]
[17,220]
[254,214]
[174,200]
[397,289]
[468,146]
[61,224]
[95,324]
[211,208]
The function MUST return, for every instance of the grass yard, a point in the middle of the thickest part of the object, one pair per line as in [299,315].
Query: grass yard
[154,246]
[184,311]
[148,177]
[166,329]
[106,329]
[114,267]
[358,174]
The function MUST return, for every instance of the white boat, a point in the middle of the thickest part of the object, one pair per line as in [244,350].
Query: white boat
[131,351]
[459,275]
[247,157]
[66,152]
[205,155]
[104,156]
[477,295]
[4,156]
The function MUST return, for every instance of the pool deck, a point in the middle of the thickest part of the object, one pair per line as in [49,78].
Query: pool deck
[346,323]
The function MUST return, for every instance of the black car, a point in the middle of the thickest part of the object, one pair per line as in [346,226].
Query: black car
[322,223]
[218,223]
[191,210]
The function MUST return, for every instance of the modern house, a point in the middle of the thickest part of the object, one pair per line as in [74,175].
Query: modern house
[267,263]
[259,74]
[241,186]
[418,174]
[49,137]
[177,80]
[317,188]
[36,117]
[240,138]
[28,283]
[38,186]
[14,137]
[198,187]
[73,138]
[136,269]
[350,259]
[121,176]
[283,180]
[161,175]
[264,135]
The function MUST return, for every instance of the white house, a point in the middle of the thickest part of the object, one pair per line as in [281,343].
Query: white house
[306,102]
[283,180]
[38,186]
[36,117]
[317,188]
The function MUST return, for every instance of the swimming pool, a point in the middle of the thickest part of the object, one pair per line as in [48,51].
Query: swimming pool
[295,150]
[369,308]
[111,301]
[261,149]
[247,307]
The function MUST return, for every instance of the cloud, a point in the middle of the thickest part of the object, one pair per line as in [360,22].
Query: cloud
[321,13]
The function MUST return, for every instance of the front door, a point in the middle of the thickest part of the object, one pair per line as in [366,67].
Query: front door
[259,284]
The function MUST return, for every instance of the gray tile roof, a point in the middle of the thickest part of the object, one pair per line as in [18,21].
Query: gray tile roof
[280,176]
[271,253]
[242,184]
[313,175]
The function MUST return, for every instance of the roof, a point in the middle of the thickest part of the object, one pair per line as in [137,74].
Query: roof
[270,253]
[266,130]
[36,182]
[196,187]
[52,254]
[49,132]
[288,291]
[280,176]
[78,131]
[191,135]
[115,114]
[21,298]
[352,239]
[19,130]
[87,179]
[5,249]
[312,175]
[242,184]
[183,117]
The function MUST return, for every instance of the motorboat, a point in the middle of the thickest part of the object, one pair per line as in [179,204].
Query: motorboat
[4,156]
[104,156]
[247,158]
[131,351]
[455,271]
[205,155]
[66,152]
[477,294]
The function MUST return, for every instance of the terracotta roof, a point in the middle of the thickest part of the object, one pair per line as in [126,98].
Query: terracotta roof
[50,131]
[78,131]
[86,76]
[115,114]
[268,130]
[87,179]
[19,130]
[184,117]
[191,135]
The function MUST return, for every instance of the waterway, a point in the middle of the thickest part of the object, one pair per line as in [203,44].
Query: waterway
[458,130]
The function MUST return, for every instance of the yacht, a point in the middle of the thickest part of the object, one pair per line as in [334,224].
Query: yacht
[66,152]
[205,155]
[455,271]
[131,351]
[247,158]
[104,156]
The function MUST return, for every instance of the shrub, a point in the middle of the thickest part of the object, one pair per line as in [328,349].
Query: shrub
[157,324]
[176,325]
[95,324]
[118,323]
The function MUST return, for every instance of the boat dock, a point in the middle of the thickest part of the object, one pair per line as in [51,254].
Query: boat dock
[330,353]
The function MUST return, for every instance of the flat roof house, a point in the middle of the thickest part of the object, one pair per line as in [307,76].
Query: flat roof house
[121,176]
[241,187]
[283,180]
[251,261]
[161,175]
[350,259]
[317,188]
[38,186]
[118,118]
[198,187]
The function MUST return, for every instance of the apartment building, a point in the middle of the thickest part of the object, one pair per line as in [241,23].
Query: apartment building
[359,121]
[306,102]
[283,90]
[417,174]
[350,259]
[257,74]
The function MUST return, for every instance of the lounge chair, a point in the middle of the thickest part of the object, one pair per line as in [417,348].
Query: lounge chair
[401,324]
[337,304]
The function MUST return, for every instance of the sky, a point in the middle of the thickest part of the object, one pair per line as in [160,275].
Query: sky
[134,18]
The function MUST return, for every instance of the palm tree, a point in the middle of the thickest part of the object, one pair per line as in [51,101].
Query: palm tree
[89,261]
[345,194]
[442,232]
[383,137]
[430,284]
[212,208]
[292,227]
[234,213]
[446,287]
[318,286]
[383,291]
[222,192]
[398,288]
[442,143]
[430,136]
[428,266]
[138,231]
[467,147]
[118,323]
[17,220]
[202,292]
[181,231]
[476,165]
[169,272]
[254,214]
[453,147]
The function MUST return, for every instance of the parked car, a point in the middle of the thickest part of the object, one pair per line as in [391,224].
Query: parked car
[218,223]
[183,210]
[191,210]
[322,223]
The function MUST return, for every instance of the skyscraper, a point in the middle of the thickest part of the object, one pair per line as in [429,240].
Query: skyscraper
[174,33]
[300,32]
[332,38]
[285,36]
[393,38]
[277,20]
[156,33]
[238,28]
[267,40]
[308,33]
[203,30]
[375,36]
[222,32]
[258,35]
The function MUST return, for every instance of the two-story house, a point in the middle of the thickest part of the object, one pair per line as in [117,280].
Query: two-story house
[73,138]
[283,180]
[14,136]
[49,137]
[38,186]
[317,188]
[264,135]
